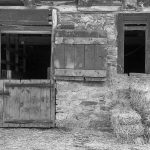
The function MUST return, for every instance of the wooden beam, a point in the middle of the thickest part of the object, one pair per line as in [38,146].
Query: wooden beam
[26,29]
[24,17]
[80,40]
[80,33]
[81,73]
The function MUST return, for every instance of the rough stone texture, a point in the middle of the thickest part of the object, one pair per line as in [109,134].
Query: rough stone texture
[84,105]
[98,22]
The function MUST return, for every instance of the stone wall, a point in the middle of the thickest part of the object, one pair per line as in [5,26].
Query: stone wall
[84,104]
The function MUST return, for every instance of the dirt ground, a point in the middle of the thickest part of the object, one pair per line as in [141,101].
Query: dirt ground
[61,139]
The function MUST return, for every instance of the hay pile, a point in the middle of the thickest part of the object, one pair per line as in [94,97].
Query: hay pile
[126,124]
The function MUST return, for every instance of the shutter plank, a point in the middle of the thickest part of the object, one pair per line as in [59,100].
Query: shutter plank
[59,57]
[79,56]
[69,56]
[100,57]
[89,56]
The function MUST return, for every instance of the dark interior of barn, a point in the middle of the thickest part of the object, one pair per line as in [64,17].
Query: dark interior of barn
[134,51]
[26,56]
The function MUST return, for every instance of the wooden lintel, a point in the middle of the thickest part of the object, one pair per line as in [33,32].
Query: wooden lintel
[80,40]
[100,8]
[80,73]
[80,33]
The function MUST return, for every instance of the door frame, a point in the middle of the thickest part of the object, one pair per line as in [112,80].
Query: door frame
[51,80]
[132,18]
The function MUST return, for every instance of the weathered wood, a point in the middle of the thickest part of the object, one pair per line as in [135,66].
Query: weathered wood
[69,56]
[69,78]
[79,57]
[100,57]
[100,8]
[24,17]
[82,73]
[80,40]
[89,57]
[26,29]
[8,52]
[11,3]
[12,104]
[80,33]
[36,85]
[95,79]
[98,2]
[29,106]
[59,56]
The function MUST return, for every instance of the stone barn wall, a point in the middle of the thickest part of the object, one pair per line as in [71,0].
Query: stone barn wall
[84,104]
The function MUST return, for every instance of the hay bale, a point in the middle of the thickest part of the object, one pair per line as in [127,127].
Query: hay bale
[129,117]
[139,141]
[124,116]
[126,123]
[129,131]
[140,101]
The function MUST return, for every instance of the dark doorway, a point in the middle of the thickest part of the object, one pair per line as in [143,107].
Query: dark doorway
[134,51]
[27,56]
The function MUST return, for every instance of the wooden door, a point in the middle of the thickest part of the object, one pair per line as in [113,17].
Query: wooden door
[28,103]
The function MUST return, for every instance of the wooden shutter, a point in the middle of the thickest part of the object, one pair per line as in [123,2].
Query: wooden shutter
[80,54]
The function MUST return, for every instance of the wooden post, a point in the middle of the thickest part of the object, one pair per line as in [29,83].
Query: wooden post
[16,54]
[8,52]
[24,57]
[53,89]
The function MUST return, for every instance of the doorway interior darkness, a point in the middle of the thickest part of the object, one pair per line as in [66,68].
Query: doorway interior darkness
[134,51]
[27,56]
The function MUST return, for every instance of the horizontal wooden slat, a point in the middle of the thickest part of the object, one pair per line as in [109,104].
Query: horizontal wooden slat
[82,73]
[100,8]
[80,40]
[27,29]
[24,16]
[80,33]
[36,85]
[66,78]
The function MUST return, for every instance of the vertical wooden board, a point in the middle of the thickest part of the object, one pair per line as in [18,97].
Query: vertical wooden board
[69,56]
[59,56]
[79,57]
[89,56]
[35,102]
[100,57]
[1,101]
[12,108]
[24,101]
[45,104]
[53,104]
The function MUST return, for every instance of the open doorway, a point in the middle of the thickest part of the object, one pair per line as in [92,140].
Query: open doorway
[26,56]
[134,51]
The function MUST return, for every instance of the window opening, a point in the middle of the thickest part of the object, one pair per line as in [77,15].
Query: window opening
[26,56]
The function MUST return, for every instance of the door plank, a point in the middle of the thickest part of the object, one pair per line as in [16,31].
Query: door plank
[89,56]
[59,56]
[100,57]
[24,102]
[79,56]
[69,56]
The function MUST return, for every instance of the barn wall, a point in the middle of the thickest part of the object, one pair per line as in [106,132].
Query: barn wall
[84,104]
